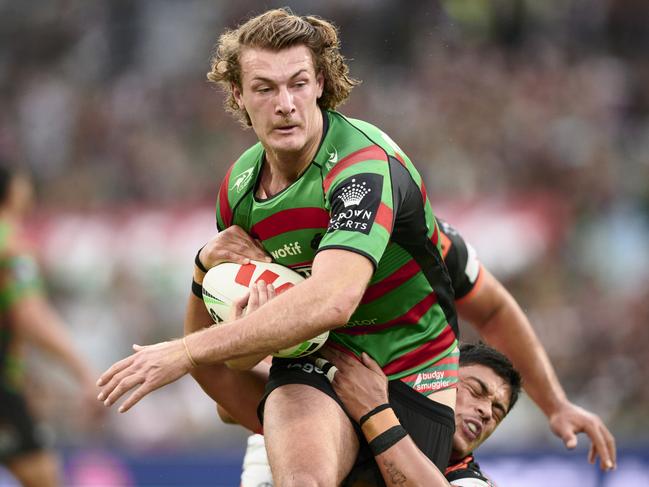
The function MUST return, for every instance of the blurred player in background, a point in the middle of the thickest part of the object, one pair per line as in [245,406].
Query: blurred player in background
[27,317]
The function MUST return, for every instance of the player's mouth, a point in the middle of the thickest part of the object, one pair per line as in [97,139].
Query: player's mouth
[285,129]
[471,429]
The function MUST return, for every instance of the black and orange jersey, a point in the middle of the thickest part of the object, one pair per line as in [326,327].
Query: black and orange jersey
[467,473]
[461,260]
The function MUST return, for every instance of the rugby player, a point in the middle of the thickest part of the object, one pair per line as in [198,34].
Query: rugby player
[26,316]
[352,211]
[487,391]
[336,198]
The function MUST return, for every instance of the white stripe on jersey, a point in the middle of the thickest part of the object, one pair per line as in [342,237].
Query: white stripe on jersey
[472,263]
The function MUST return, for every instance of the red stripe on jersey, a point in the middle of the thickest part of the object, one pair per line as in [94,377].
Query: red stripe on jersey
[424,194]
[411,317]
[384,217]
[461,465]
[224,204]
[289,220]
[435,237]
[423,353]
[268,277]
[394,280]
[400,159]
[244,276]
[373,152]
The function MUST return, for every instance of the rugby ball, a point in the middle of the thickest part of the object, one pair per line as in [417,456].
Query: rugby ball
[227,282]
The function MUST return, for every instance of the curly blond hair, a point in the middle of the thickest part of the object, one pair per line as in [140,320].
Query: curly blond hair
[279,29]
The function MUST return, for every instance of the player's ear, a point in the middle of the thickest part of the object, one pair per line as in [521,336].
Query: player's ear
[237,94]
[319,79]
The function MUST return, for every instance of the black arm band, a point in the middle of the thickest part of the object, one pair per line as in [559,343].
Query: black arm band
[198,262]
[386,439]
[197,289]
[377,409]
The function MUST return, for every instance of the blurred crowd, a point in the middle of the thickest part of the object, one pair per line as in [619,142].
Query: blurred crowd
[503,106]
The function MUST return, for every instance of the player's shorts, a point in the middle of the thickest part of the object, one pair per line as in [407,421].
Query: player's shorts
[430,424]
[19,434]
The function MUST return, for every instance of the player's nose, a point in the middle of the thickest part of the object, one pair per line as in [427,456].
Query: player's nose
[284,101]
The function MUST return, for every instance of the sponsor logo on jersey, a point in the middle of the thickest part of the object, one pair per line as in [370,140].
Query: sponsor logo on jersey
[242,180]
[430,381]
[370,321]
[355,202]
[353,194]
[288,249]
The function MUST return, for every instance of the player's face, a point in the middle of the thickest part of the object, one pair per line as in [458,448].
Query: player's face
[482,403]
[279,91]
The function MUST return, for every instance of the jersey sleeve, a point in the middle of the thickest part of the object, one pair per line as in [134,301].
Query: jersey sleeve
[359,201]
[223,208]
[461,260]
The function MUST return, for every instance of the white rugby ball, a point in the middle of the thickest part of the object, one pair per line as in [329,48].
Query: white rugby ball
[226,282]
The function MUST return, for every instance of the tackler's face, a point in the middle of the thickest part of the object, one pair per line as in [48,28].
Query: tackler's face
[482,403]
[279,91]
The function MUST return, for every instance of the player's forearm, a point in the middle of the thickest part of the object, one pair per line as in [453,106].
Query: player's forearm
[300,313]
[509,331]
[405,465]
[196,315]
[401,462]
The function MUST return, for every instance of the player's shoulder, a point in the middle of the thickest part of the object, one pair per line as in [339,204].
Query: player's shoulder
[355,146]
[367,134]
[467,473]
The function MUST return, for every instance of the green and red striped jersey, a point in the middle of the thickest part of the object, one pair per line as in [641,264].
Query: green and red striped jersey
[19,277]
[360,193]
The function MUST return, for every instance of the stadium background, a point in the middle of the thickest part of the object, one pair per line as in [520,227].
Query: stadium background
[528,120]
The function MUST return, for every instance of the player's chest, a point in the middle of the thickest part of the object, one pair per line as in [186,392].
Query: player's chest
[290,225]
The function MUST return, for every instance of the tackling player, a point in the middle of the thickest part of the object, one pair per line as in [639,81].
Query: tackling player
[478,295]
[487,391]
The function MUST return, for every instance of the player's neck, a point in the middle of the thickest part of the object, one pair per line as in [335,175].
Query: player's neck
[281,169]
[275,177]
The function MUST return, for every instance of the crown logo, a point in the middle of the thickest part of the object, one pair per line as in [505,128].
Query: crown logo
[354,193]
